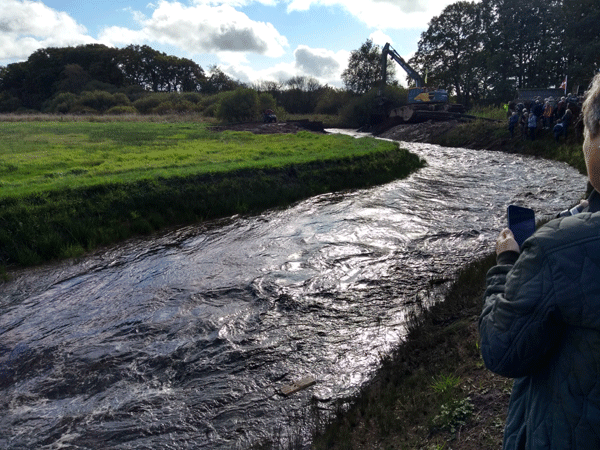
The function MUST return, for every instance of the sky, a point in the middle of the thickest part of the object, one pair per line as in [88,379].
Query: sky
[250,40]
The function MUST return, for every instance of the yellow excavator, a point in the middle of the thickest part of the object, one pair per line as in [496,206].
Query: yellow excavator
[423,103]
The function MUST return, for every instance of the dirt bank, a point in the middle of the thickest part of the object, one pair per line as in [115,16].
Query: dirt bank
[419,132]
[488,135]
[273,128]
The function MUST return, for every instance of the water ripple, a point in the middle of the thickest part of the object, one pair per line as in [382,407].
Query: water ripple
[184,339]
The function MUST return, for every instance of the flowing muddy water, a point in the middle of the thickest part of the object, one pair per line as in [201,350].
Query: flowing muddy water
[183,340]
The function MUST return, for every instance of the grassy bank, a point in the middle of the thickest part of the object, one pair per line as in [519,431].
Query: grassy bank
[433,392]
[69,187]
[495,136]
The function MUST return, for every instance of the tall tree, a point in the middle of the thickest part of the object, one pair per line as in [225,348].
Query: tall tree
[448,50]
[364,68]
[580,40]
[491,48]
[218,81]
[524,42]
[301,95]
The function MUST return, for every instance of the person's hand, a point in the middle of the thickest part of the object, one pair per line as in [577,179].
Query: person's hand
[506,242]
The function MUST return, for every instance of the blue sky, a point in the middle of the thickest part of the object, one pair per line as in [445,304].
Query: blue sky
[251,40]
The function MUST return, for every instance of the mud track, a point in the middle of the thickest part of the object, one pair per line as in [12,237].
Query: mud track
[419,132]
[273,128]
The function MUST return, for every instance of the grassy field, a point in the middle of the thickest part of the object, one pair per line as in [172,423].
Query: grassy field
[42,156]
[67,187]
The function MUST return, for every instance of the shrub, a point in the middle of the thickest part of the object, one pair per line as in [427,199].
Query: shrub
[61,103]
[210,110]
[145,105]
[122,110]
[82,110]
[134,92]
[331,101]
[208,105]
[360,110]
[266,101]
[9,103]
[184,106]
[102,100]
[193,97]
[238,106]
[165,107]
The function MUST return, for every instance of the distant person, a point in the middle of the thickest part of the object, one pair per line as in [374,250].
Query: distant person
[566,120]
[547,115]
[512,123]
[523,121]
[540,322]
[561,128]
[532,125]
[558,131]
[537,108]
[561,107]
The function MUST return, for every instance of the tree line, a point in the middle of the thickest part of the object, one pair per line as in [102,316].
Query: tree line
[480,52]
[132,71]
[95,78]
[483,52]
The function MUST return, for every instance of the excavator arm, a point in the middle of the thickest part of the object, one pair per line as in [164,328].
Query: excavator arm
[388,50]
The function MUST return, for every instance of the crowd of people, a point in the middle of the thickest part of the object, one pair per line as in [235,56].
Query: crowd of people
[550,114]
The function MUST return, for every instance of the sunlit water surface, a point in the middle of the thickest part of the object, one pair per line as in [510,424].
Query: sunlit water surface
[184,340]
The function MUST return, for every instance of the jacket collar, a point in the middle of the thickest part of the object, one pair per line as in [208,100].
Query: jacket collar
[594,201]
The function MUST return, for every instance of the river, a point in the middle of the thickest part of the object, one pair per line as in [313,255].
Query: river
[183,340]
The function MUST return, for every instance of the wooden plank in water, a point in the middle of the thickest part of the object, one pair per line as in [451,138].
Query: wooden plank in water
[297,386]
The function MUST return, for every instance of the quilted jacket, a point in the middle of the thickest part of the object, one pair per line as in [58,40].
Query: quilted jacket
[540,324]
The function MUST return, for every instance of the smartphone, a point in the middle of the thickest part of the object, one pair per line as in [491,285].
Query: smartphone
[521,222]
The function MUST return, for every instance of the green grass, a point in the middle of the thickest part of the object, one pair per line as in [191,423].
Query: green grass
[38,157]
[489,112]
[69,187]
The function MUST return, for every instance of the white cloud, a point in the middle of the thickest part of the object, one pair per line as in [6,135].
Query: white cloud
[323,65]
[380,38]
[319,63]
[382,14]
[26,26]
[202,29]
[280,72]
[234,3]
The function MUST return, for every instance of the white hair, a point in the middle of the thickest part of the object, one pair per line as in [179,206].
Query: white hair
[591,108]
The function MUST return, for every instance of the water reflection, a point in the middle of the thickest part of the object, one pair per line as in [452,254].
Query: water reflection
[183,340]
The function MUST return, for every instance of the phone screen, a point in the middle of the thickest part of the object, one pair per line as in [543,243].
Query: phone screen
[521,222]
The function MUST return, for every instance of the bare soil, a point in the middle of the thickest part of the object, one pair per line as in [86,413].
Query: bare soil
[419,132]
[272,128]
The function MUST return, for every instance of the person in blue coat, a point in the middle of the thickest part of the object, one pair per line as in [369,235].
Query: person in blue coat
[540,322]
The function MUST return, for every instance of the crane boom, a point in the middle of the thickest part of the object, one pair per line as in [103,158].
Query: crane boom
[388,50]
[422,103]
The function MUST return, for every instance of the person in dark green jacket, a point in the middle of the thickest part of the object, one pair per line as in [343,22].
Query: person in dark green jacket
[540,322]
